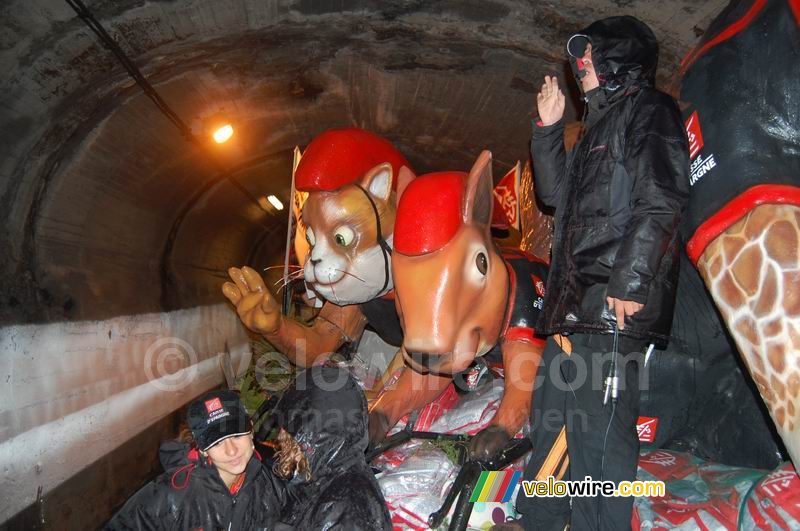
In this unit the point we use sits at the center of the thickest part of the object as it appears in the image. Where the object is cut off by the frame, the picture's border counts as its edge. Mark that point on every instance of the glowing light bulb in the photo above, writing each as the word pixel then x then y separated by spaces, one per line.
pixel 275 202
pixel 223 134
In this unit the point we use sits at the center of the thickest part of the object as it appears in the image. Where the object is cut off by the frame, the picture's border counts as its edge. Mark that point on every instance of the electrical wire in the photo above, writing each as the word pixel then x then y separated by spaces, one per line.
pixel 88 18
pixel 613 372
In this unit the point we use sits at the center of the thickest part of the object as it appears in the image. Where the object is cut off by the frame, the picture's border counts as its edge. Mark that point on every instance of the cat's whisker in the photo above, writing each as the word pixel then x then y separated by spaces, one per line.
pixel 290 277
pixel 286 281
pixel 291 266
pixel 351 274
pixel 333 291
pixel 299 274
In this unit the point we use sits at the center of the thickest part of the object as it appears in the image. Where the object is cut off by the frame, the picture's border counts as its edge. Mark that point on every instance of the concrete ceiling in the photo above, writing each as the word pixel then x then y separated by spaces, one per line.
pixel 107 210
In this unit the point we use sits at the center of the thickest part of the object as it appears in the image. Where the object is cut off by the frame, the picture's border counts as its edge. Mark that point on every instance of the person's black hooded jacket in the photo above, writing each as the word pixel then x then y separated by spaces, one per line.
pixel 618 194
pixel 326 413
pixel 190 495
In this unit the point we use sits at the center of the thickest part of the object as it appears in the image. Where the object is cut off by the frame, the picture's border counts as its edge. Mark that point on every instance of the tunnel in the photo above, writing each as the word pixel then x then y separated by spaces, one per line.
pixel 118 226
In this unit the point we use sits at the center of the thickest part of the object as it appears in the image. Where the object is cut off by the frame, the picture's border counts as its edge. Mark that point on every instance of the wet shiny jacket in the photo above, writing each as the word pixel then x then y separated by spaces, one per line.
pixel 326 413
pixel 618 194
pixel 190 495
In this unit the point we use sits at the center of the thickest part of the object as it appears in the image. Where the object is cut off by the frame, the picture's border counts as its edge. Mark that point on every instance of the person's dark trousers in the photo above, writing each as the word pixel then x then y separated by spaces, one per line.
pixel 569 392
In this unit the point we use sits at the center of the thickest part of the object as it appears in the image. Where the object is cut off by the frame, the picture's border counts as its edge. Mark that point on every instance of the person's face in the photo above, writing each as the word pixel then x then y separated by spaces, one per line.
pixel 589 81
pixel 231 455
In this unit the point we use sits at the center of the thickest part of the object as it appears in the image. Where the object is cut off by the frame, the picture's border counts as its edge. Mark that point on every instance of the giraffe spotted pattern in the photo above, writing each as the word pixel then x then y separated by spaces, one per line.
pixel 753 273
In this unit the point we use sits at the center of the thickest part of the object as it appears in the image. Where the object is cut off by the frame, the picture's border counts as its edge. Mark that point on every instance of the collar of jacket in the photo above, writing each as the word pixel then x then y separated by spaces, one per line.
pixel 208 473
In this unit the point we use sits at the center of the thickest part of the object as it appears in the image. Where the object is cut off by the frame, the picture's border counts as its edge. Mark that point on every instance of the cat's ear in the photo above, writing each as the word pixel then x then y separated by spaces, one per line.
pixel 404 178
pixel 477 205
pixel 378 181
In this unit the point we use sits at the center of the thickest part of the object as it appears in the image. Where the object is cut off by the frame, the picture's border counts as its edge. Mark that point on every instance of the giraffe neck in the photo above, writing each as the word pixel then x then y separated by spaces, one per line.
pixel 753 273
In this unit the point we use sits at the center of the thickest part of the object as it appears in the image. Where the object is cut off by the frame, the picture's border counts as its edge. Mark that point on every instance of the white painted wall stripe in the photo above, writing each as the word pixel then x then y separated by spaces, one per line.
pixel 73 392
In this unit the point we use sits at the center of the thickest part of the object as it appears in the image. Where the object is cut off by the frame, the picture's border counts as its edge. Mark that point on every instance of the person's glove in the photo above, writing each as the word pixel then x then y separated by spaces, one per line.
pixel 488 442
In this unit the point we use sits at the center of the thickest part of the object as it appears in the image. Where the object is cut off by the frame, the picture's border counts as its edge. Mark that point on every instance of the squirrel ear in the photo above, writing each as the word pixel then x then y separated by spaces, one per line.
pixel 378 181
pixel 404 177
pixel 477 206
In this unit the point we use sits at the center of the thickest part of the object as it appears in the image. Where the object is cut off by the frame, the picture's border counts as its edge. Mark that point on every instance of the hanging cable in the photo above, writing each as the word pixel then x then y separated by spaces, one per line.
pixel 108 41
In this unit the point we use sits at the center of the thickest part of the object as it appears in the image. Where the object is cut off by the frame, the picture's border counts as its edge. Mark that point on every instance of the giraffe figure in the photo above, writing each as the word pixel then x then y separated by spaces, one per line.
pixel 752 270
pixel 742 108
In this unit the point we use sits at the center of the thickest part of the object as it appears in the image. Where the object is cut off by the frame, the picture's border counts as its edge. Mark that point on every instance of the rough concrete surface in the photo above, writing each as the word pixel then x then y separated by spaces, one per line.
pixel 107 213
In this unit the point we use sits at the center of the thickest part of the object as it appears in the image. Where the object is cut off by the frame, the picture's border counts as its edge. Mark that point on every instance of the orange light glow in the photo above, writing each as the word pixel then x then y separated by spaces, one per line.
pixel 223 134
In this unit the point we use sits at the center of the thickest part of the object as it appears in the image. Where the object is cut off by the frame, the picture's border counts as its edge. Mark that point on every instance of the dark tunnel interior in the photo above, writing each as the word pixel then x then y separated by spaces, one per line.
pixel 109 214
pixel 109 210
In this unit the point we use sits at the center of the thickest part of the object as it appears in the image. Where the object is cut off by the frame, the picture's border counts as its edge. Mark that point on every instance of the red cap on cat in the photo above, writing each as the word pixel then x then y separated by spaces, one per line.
pixel 341 156
pixel 429 212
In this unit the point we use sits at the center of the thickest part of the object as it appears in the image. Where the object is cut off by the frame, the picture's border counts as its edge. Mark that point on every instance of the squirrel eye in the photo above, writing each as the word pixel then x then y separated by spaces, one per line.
pixel 344 236
pixel 481 263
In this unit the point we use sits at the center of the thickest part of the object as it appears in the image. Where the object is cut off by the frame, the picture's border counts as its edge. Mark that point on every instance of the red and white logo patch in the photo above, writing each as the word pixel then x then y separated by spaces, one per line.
pixel 646 428
pixel 694 134
pixel 538 285
pixel 213 405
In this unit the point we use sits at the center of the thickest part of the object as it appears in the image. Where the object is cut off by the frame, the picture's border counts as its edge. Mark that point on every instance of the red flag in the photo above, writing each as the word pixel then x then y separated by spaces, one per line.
pixel 505 213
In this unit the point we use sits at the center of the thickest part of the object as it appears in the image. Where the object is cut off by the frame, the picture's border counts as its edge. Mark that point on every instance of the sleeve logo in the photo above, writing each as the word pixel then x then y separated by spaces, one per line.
pixel 694 134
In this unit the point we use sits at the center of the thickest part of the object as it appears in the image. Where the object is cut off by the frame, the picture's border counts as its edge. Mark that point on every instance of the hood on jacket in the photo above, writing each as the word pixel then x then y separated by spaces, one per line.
pixel 325 411
pixel 179 461
pixel 624 52
pixel 175 454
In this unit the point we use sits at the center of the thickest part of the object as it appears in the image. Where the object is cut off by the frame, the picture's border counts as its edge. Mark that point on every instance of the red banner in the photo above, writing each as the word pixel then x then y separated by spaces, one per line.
pixel 505 212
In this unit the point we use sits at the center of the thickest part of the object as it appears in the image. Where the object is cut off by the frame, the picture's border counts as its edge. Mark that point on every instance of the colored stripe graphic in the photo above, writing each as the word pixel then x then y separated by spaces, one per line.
pixel 515 477
pixel 478 487
pixel 498 482
pixel 502 483
pixel 495 486
pixel 487 486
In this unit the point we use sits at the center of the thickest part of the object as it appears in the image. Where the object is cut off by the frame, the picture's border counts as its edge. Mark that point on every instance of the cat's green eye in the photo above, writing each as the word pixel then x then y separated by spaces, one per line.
pixel 310 236
pixel 344 236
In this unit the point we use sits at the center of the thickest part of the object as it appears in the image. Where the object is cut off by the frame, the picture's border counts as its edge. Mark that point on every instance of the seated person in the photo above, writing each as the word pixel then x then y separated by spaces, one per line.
pixel 322 439
pixel 216 482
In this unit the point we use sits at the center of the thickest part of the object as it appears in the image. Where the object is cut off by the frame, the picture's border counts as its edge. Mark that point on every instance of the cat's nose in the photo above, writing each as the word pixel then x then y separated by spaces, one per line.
pixel 315 261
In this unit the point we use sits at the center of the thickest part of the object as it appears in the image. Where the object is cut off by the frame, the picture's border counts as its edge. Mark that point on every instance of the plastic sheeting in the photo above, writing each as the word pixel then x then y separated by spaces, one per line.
pixel 700 495
pixel 706 495
pixel 417 475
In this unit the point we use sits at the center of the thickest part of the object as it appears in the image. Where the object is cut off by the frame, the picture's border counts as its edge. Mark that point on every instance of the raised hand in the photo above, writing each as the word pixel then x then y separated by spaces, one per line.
pixel 550 101
pixel 255 305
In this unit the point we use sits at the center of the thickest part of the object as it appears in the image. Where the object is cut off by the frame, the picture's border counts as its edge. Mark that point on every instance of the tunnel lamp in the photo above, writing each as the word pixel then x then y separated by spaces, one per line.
pixel 223 134
pixel 275 202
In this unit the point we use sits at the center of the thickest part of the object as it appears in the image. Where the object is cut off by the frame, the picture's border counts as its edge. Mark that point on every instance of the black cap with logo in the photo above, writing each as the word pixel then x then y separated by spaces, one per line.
pixel 215 416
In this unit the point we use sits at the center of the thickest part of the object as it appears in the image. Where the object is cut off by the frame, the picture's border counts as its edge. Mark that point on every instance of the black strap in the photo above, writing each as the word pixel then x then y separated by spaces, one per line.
pixel 385 249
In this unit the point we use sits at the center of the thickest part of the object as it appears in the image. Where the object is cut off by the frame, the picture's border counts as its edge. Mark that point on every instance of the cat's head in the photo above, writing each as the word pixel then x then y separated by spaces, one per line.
pixel 346 264
pixel 345 172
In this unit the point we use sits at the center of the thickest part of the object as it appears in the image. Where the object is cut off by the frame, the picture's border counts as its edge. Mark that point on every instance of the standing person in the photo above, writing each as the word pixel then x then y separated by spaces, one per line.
pixel 618 197
pixel 215 482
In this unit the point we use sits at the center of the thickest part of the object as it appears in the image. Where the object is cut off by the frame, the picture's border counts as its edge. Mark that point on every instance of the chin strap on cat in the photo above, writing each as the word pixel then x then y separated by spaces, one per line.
pixel 386 250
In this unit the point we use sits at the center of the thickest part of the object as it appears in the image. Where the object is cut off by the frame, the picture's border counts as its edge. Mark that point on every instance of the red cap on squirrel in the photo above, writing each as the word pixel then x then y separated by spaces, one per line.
pixel 342 156
pixel 429 212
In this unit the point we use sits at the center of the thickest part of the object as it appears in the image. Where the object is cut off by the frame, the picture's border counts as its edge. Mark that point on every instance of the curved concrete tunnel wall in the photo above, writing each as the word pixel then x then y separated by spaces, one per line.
pixel 117 232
